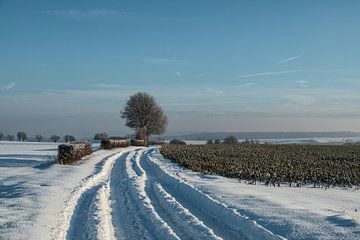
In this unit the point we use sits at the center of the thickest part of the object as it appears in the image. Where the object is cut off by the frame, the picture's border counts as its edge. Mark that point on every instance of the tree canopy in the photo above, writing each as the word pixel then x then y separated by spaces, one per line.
pixel 101 136
pixel 69 138
pixel 144 115
pixel 55 138
pixel 39 137
pixel 21 136
pixel 231 140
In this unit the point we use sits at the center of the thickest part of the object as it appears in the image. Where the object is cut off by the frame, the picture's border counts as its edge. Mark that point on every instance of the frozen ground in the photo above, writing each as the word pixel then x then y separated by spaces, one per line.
pixel 33 188
pixel 290 212
pixel 134 193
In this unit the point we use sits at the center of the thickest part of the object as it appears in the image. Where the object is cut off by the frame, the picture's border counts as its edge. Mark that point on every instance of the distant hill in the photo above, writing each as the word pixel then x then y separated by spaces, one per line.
pixel 265 135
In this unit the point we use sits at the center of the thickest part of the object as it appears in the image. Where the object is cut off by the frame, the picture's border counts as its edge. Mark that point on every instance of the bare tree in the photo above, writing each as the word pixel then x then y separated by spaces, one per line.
pixel 101 136
pixel 69 138
pixel 144 115
pixel 55 138
pixel 10 137
pixel 21 136
pixel 1 136
pixel 231 140
pixel 39 137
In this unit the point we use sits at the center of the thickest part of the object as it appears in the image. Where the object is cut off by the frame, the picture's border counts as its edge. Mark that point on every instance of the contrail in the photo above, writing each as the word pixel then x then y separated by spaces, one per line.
pixel 289 59
pixel 267 73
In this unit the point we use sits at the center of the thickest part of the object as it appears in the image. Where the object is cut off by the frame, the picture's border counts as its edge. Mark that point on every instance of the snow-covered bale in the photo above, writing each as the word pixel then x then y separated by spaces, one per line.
pixel 114 143
pixel 69 153
pixel 137 142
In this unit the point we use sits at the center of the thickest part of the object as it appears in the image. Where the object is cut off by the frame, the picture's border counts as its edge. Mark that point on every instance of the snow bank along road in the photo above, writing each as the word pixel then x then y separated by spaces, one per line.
pixel 131 197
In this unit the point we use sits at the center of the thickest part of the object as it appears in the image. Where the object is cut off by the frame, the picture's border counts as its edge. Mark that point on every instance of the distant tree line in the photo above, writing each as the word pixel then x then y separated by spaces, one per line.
pixel 21 136
pixel 232 140
pixel 55 138
pixel 177 142
pixel 228 140
pixel 141 112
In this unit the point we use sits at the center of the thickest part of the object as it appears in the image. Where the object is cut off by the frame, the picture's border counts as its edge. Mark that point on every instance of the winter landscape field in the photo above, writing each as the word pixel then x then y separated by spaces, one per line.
pixel 134 193
pixel 159 120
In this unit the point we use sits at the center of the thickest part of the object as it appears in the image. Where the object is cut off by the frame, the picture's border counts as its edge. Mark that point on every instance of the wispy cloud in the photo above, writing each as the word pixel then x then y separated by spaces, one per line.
pixel 111 86
pixel 79 13
pixel 126 57
pixel 215 91
pixel 301 99
pixel 156 60
pixel 303 83
pixel 289 59
pixel 8 86
pixel 260 74
pixel 177 73
pixel 246 85
pixel 166 61
pixel 209 92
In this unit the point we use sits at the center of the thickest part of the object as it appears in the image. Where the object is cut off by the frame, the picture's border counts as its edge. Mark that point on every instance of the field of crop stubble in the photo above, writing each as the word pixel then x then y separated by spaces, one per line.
pixel 320 165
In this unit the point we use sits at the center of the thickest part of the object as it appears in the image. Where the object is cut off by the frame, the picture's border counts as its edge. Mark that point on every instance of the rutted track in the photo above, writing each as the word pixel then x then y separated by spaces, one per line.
pixel 133 214
pixel 87 213
pixel 217 220
pixel 131 197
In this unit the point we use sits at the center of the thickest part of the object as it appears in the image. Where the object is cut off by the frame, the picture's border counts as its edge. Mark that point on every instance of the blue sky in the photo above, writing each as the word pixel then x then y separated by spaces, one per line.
pixel 69 66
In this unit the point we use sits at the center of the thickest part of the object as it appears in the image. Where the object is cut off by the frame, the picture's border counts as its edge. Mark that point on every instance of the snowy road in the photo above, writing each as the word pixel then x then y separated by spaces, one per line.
pixel 131 197
pixel 134 193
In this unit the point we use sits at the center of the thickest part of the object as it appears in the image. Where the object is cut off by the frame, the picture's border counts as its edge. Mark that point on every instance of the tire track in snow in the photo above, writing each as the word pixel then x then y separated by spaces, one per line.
pixel 185 225
pixel 189 225
pixel 86 213
pixel 133 214
pixel 225 222
pixel 105 230
pixel 131 197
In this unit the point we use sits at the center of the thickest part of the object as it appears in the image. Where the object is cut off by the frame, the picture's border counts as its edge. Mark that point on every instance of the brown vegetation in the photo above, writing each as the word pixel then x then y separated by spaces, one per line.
pixel 137 142
pixel 321 165
pixel 69 153
pixel 114 143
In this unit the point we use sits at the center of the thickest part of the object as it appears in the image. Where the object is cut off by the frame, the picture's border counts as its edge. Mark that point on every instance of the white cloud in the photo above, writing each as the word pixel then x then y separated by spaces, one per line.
pixel 267 73
pixel 246 84
pixel 289 59
pixel 8 86
pixel 303 83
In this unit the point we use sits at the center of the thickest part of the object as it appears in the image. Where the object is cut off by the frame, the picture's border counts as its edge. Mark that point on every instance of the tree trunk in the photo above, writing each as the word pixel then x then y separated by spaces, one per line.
pixel 146 140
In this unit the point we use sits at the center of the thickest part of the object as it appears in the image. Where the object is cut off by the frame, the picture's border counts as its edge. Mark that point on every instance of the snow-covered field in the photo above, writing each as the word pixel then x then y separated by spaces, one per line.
pixel 134 193
pixel 320 140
